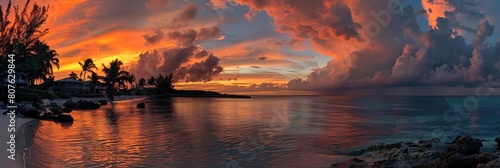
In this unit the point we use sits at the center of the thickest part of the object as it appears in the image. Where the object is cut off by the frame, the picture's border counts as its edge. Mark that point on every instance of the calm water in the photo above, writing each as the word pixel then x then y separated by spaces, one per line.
pixel 259 132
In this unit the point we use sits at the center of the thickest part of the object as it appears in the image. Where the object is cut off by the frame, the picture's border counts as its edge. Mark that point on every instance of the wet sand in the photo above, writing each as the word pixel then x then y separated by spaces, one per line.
pixel 21 125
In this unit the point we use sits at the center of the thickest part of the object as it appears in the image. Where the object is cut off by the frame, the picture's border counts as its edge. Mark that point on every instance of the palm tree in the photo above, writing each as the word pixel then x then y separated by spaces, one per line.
pixel 73 75
pixel 141 83
pixel 151 81
pixel 38 64
pixel 87 66
pixel 95 80
pixel 20 30
pixel 114 76
pixel 48 60
pixel 164 84
pixel 131 80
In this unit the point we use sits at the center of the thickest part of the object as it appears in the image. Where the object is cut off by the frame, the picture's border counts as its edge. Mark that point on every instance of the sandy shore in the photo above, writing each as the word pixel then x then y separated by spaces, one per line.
pixel 60 102
pixel 21 125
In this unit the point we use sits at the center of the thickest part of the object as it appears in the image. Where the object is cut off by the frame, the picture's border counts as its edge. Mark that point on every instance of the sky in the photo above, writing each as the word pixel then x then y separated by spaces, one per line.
pixel 283 46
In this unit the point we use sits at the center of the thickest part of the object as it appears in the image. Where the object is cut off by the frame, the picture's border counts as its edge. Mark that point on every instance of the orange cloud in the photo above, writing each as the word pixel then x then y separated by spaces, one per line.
pixel 435 9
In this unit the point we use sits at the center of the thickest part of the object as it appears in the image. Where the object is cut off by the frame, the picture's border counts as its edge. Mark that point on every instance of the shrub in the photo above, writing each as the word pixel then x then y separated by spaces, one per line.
pixel 26 96
pixel 43 94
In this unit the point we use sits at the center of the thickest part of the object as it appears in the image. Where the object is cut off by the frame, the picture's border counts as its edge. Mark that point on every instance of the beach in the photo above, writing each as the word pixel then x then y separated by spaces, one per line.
pixel 21 125
pixel 60 102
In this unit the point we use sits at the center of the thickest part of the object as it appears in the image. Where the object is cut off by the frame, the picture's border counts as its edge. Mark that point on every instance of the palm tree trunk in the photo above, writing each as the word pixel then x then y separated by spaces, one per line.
pixel 83 83
pixel 110 92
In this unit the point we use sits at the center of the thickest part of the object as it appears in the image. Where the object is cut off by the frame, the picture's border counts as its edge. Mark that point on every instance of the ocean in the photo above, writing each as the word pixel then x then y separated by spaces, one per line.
pixel 265 131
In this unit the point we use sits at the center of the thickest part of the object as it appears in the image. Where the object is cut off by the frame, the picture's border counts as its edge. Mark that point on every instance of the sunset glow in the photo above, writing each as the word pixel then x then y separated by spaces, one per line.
pixel 255 42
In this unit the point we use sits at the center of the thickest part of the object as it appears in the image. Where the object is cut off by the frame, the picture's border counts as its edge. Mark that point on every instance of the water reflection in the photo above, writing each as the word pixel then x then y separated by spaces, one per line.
pixel 258 132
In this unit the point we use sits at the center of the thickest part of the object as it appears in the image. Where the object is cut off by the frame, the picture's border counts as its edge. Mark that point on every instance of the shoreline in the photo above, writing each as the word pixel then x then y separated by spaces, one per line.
pixel 60 102
pixel 463 150
pixel 22 125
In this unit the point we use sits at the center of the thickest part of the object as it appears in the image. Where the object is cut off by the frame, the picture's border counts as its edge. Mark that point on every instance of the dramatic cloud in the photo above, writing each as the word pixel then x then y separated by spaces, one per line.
pixel 302 45
pixel 202 71
pixel 154 37
pixel 321 21
pixel 263 87
pixel 176 60
pixel 187 14
pixel 436 57
pixel 187 38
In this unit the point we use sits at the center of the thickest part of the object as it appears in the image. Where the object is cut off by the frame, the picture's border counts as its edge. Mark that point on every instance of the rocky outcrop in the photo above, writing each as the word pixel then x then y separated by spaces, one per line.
pixel 103 102
pixel 459 160
pixel 141 105
pixel 29 109
pixel 404 154
pixel 38 111
pixel 66 110
pixel 493 163
pixel 464 152
pixel 63 118
pixel 465 145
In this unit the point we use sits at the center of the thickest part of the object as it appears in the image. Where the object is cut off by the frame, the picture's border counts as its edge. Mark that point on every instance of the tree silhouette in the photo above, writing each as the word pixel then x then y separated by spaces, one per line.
pixel 141 83
pixel 131 79
pixel 39 64
pixel 87 66
pixel 114 76
pixel 73 75
pixel 151 82
pixel 162 84
pixel 95 80
pixel 21 36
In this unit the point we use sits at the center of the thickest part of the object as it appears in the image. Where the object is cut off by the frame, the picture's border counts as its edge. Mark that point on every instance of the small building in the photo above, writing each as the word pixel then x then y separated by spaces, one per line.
pixel 20 80
pixel 73 86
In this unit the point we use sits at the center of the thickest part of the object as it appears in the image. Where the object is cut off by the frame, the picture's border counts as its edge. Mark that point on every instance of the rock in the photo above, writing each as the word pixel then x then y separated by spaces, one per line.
pixel 53 104
pixel 103 102
pixel 460 160
pixel 56 109
pixel 45 102
pixel 66 110
pixel 64 118
pixel 31 113
pixel 141 105
pixel 38 106
pixel 47 116
pixel 465 145
pixel 493 163
pixel 70 104
pixel 28 109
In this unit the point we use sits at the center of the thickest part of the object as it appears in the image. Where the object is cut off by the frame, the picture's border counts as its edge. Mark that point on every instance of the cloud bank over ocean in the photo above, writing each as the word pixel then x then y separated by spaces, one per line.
pixel 261 45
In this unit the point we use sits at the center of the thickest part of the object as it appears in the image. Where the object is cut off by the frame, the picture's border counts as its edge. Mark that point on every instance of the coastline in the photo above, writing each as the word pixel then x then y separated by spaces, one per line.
pixel 22 124
pixel 25 124
pixel 60 102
